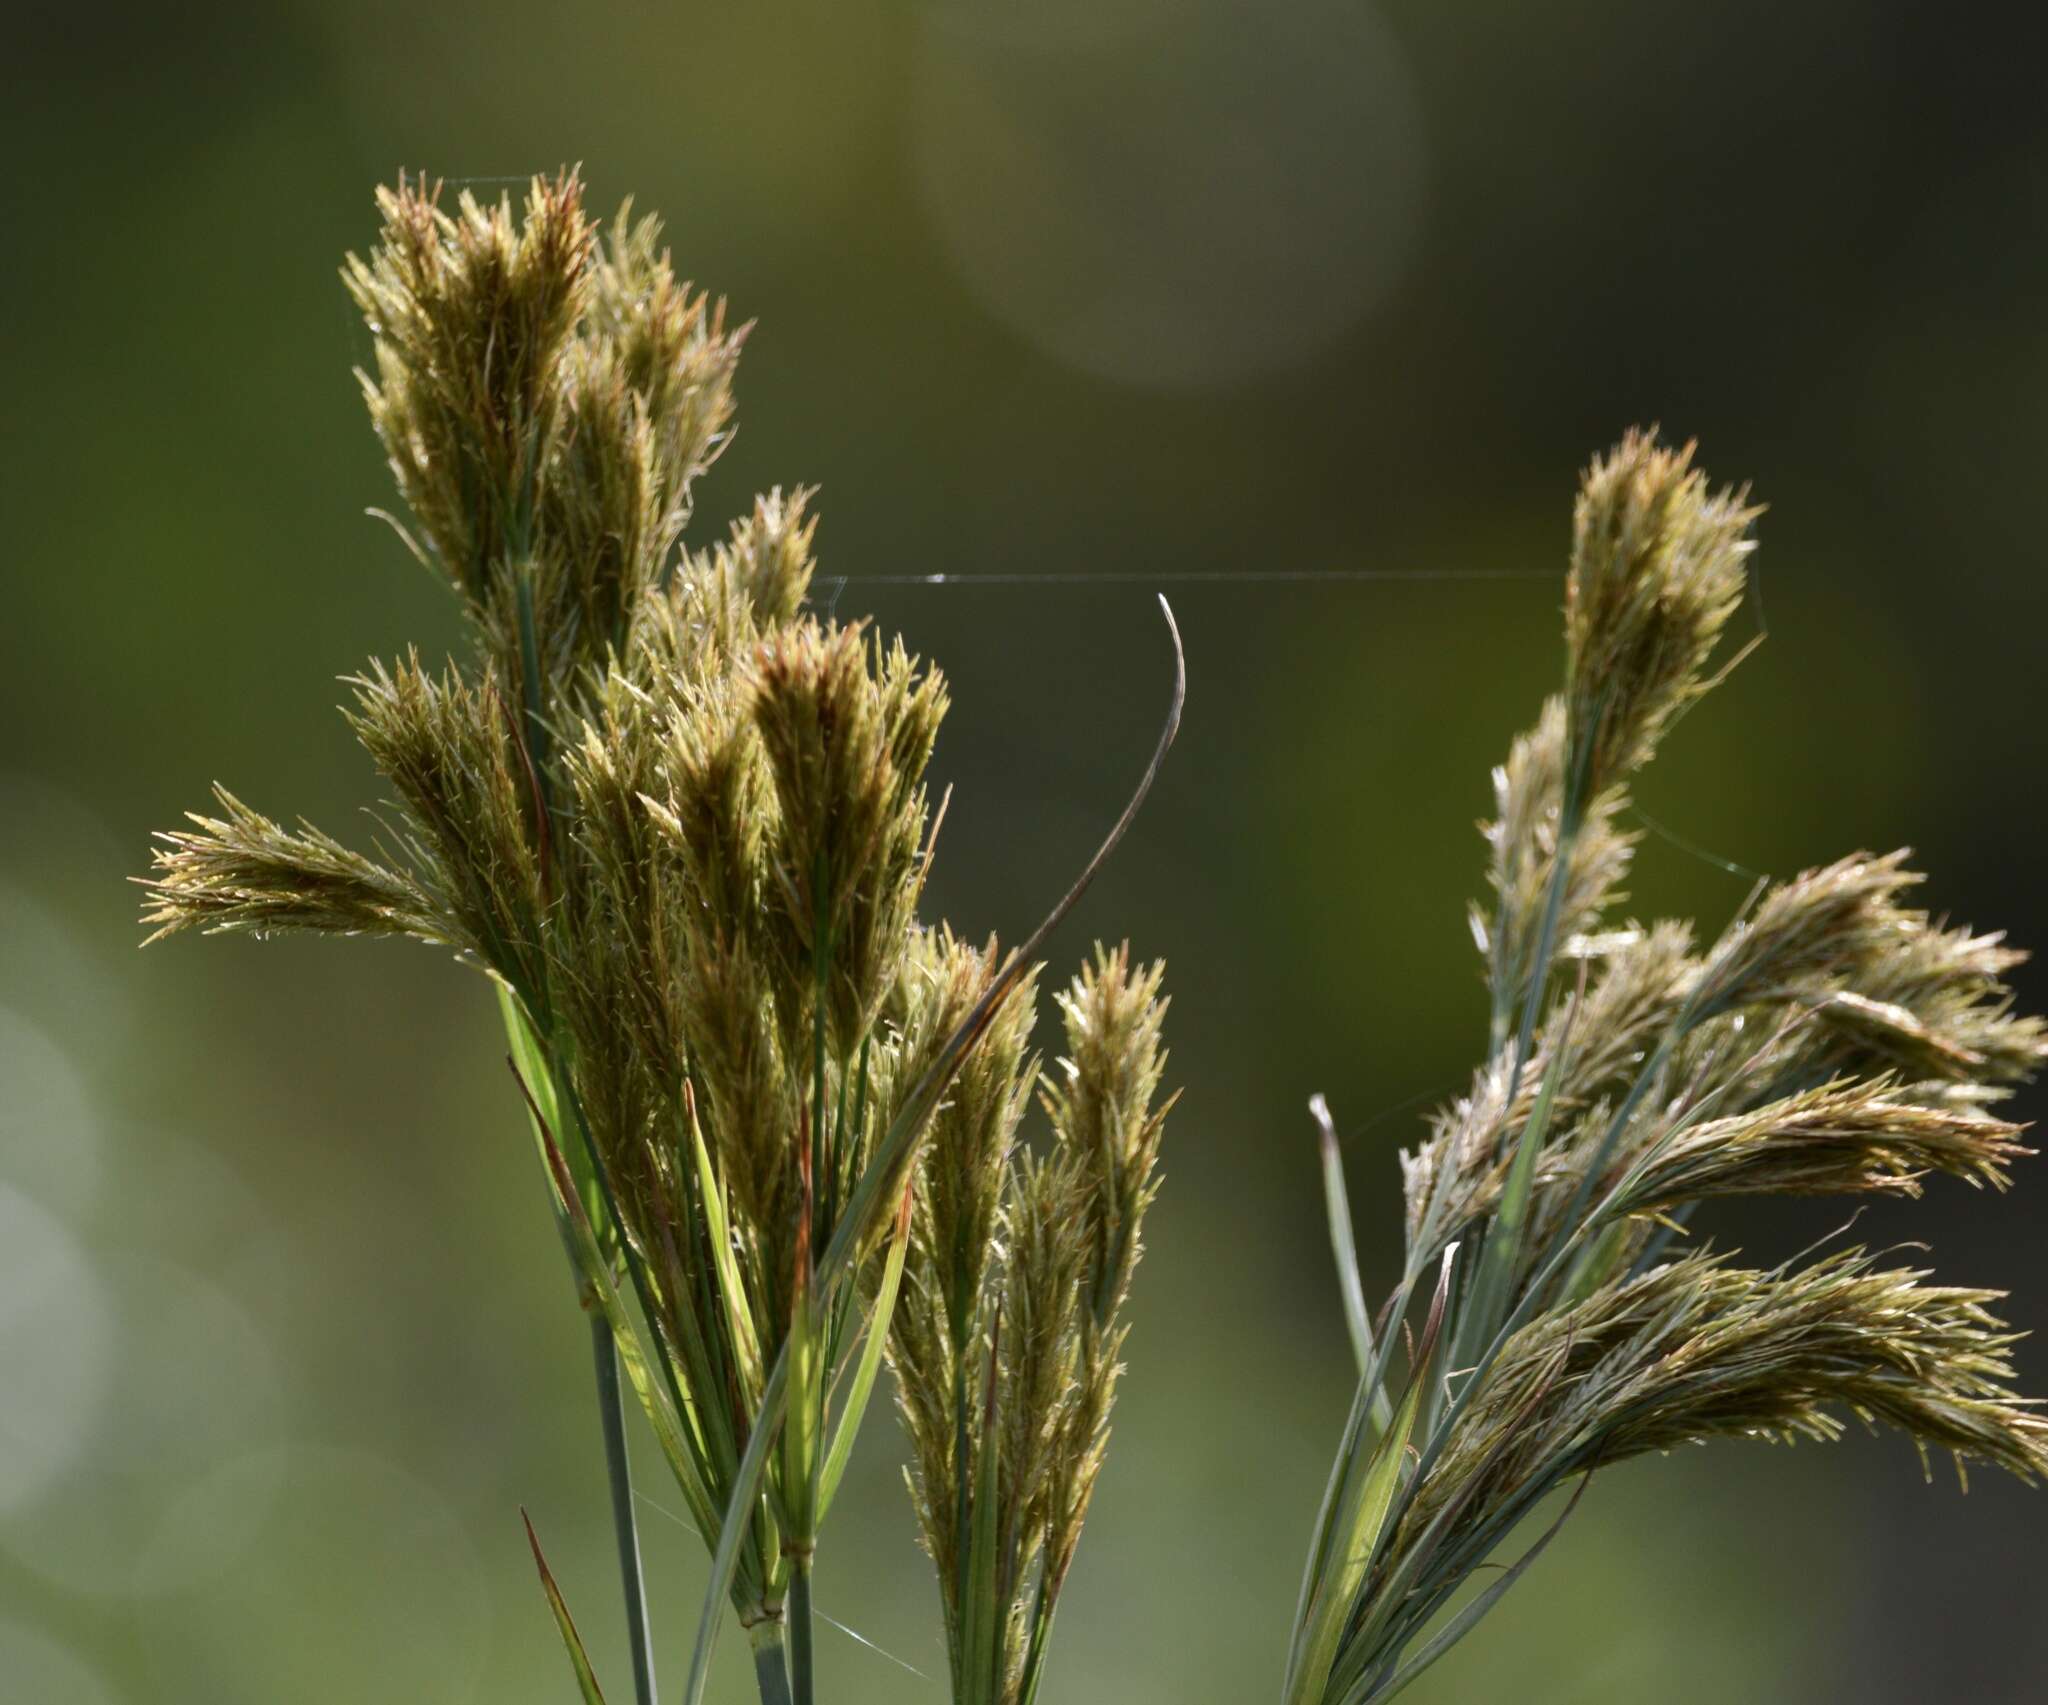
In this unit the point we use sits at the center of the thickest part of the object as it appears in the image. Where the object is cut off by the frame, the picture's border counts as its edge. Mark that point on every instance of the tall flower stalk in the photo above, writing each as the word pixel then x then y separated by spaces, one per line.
pixel 684 828
pixel 1831 1040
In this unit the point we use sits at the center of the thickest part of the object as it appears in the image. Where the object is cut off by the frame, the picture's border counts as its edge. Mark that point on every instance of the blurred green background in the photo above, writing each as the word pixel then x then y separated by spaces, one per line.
pixel 1089 288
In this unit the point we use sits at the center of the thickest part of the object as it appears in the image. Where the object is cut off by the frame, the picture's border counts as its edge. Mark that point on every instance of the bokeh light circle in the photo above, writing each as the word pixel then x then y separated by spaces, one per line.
pixel 51 1140
pixel 35 1670
pixel 56 1351
pixel 191 1382
pixel 363 1570
pixel 1173 193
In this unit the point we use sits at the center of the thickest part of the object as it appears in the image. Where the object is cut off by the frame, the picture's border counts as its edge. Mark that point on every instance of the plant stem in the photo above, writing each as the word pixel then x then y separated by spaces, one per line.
pixel 770 1672
pixel 799 1627
pixel 605 1364
pixel 625 1520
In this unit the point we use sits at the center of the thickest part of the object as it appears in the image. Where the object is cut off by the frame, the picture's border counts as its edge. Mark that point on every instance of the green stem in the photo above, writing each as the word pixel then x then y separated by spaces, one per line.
pixel 799 1630
pixel 1041 1633
pixel 771 1674
pixel 625 1521
pixel 611 1406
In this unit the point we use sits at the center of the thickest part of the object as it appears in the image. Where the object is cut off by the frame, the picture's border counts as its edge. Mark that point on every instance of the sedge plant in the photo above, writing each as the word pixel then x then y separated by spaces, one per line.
pixel 683 826
pixel 1553 1312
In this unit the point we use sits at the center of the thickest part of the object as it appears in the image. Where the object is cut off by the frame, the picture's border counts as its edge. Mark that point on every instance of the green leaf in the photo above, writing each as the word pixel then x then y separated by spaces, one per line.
pixel 586 1677
pixel 746 1487
pixel 1364 1400
pixel 1468 1617
pixel 1358 1533
pixel 532 1068
pixel 1361 1521
pixel 803 1424
pixel 1338 1201
pixel 669 1427
pixel 1393 1593
pixel 732 1290
pixel 870 1361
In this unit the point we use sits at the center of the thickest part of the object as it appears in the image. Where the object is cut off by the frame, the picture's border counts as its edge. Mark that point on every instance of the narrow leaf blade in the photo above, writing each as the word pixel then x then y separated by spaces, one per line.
pixel 1469 1616
pixel 1361 1519
pixel 870 1363
pixel 586 1677
pixel 732 1289
pixel 669 1427
pixel 1345 1250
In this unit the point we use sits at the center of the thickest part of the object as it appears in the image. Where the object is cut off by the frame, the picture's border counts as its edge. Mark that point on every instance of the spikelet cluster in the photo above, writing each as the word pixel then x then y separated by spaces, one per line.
pixel 1011 1322
pixel 685 827
pixel 544 405
pixel 1833 1039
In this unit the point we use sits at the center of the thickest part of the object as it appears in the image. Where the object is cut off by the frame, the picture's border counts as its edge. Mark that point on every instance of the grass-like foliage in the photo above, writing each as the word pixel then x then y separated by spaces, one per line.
pixel 1831 1040
pixel 684 826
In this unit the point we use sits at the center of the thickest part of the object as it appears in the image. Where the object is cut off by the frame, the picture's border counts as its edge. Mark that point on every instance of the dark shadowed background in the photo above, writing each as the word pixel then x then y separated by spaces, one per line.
pixel 1094 289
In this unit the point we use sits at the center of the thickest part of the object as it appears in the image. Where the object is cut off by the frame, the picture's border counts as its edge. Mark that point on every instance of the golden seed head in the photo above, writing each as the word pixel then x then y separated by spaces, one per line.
pixel 1656 571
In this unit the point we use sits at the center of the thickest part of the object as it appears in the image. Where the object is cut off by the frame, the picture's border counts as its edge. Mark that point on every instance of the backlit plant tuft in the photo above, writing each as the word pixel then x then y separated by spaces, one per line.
pixel 683 824
pixel 1831 1040
pixel 684 827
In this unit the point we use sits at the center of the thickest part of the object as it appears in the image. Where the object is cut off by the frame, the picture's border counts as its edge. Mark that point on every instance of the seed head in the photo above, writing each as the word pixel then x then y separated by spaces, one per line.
pixel 671 349
pixel 473 315
pixel 243 872
pixel 454 751
pixel 1010 1324
pixel 1533 822
pixel 848 730
pixel 1656 571
pixel 1831 1040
